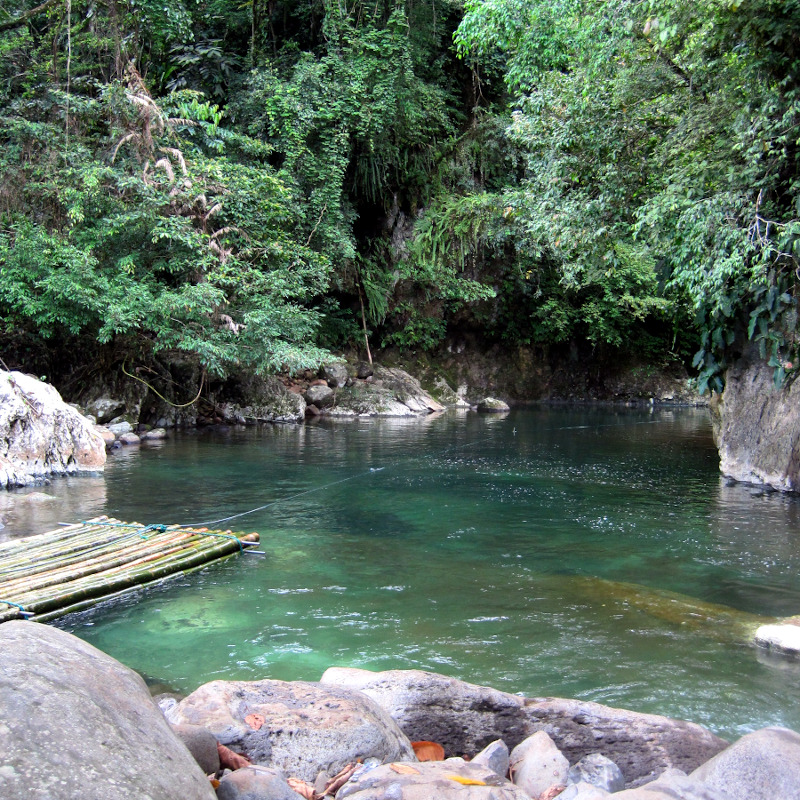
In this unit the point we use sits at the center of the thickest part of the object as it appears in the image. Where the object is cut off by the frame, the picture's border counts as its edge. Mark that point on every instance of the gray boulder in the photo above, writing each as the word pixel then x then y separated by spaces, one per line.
pixel 764 765
pixel 104 409
pixel 154 435
pixel 453 779
pixel 389 393
pixel 598 770
pixel 462 717
pixel 255 782
pixel 674 785
pixel 495 756
pixel 537 764
pixel 120 427
pixel 77 725
pixel 320 396
pixel 641 745
pixel 298 727
pixel 201 744
pixel 40 435
pixel 335 374
pixel 491 405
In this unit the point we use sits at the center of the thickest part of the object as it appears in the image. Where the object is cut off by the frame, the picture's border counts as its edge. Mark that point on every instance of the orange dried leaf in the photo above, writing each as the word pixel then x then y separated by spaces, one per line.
pixel 466 781
pixel 230 760
pixel 255 721
pixel 428 751
pixel 302 788
pixel 404 769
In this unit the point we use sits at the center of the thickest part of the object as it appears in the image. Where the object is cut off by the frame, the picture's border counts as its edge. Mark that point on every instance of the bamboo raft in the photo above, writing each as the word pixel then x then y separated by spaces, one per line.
pixel 51 574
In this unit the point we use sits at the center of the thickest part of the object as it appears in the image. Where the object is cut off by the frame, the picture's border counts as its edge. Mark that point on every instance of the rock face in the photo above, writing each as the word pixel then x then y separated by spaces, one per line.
pixel 298 727
pixel 40 435
pixel 464 718
pixel 253 399
pixel 433 780
pixel 764 765
pixel 77 725
pixel 757 427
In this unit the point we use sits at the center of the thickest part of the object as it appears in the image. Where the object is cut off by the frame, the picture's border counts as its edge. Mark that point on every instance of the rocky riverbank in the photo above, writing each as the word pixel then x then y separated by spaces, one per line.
pixel 76 724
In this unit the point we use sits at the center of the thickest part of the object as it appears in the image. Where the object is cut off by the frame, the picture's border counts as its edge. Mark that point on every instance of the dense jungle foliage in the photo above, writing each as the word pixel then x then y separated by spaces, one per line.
pixel 254 182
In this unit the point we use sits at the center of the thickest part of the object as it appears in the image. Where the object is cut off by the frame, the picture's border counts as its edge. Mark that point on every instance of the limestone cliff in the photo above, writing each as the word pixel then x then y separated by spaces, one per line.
pixel 757 427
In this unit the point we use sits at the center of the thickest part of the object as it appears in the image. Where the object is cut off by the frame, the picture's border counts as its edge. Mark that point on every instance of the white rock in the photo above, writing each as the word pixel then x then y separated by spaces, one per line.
pixel 783 638
pixel 40 435
pixel 537 764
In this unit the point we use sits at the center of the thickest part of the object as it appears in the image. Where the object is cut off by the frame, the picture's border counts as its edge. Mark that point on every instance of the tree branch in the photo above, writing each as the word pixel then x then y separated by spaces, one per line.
pixel 23 18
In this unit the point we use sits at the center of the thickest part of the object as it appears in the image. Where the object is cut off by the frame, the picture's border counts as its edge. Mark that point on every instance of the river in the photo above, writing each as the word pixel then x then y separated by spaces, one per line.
pixel 589 553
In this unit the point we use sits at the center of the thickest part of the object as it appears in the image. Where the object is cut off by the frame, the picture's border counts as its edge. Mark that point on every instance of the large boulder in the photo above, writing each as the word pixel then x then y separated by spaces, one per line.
pixel 464 718
pixel 77 725
pixel 40 435
pixel 453 779
pixel 764 765
pixel 387 393
pixel 757 427
pixel 641 745
pixel 298 727
pixel 251 399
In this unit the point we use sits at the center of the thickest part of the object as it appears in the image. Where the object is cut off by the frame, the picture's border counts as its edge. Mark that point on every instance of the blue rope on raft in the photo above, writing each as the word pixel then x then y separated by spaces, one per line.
pixel 160 527
pixel 23 613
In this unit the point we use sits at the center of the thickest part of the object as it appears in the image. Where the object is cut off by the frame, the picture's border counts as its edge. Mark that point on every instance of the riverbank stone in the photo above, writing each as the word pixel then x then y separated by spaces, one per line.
pixel 255 782
pixel 464 718
pixel 641 745
pixel 537 764
pixel 495 756
pixel 453 779
pixel 77 725
pixel 299 727
pixel 598 770
pixel 491 405
pixel 202 744
pixel 764 765
pixel 674 784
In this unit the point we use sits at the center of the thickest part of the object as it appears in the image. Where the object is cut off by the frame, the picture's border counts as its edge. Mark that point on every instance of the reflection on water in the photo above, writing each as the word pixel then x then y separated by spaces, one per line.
pixel 589 553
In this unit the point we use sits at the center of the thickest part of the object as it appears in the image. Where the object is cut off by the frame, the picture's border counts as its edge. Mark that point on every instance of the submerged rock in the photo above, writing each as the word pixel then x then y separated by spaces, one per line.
pixel 40 435
pixel 77 725
pixel 301 728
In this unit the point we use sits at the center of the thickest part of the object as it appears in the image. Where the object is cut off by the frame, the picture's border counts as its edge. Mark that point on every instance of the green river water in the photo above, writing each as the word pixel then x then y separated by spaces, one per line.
pixel 552 552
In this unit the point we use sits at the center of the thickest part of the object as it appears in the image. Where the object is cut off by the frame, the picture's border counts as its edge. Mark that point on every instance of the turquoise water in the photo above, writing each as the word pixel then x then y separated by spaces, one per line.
pixel 555 552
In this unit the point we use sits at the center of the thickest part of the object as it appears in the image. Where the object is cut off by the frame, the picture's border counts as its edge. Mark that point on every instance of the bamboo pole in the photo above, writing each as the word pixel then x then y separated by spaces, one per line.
pixel 81 565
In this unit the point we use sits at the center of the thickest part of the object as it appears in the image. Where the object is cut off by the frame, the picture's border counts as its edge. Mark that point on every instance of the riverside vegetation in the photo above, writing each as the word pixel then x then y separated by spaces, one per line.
pixel 249 185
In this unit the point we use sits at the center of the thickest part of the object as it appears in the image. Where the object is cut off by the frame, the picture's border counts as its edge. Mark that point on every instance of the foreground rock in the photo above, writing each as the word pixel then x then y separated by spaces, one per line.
pixel 439 780
pixel 77 725
pixel 537 764
pixel 757 427
pixel 300 728
pixel 673 785
pixel 464 718
pixel 764 765
pixel 40 435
